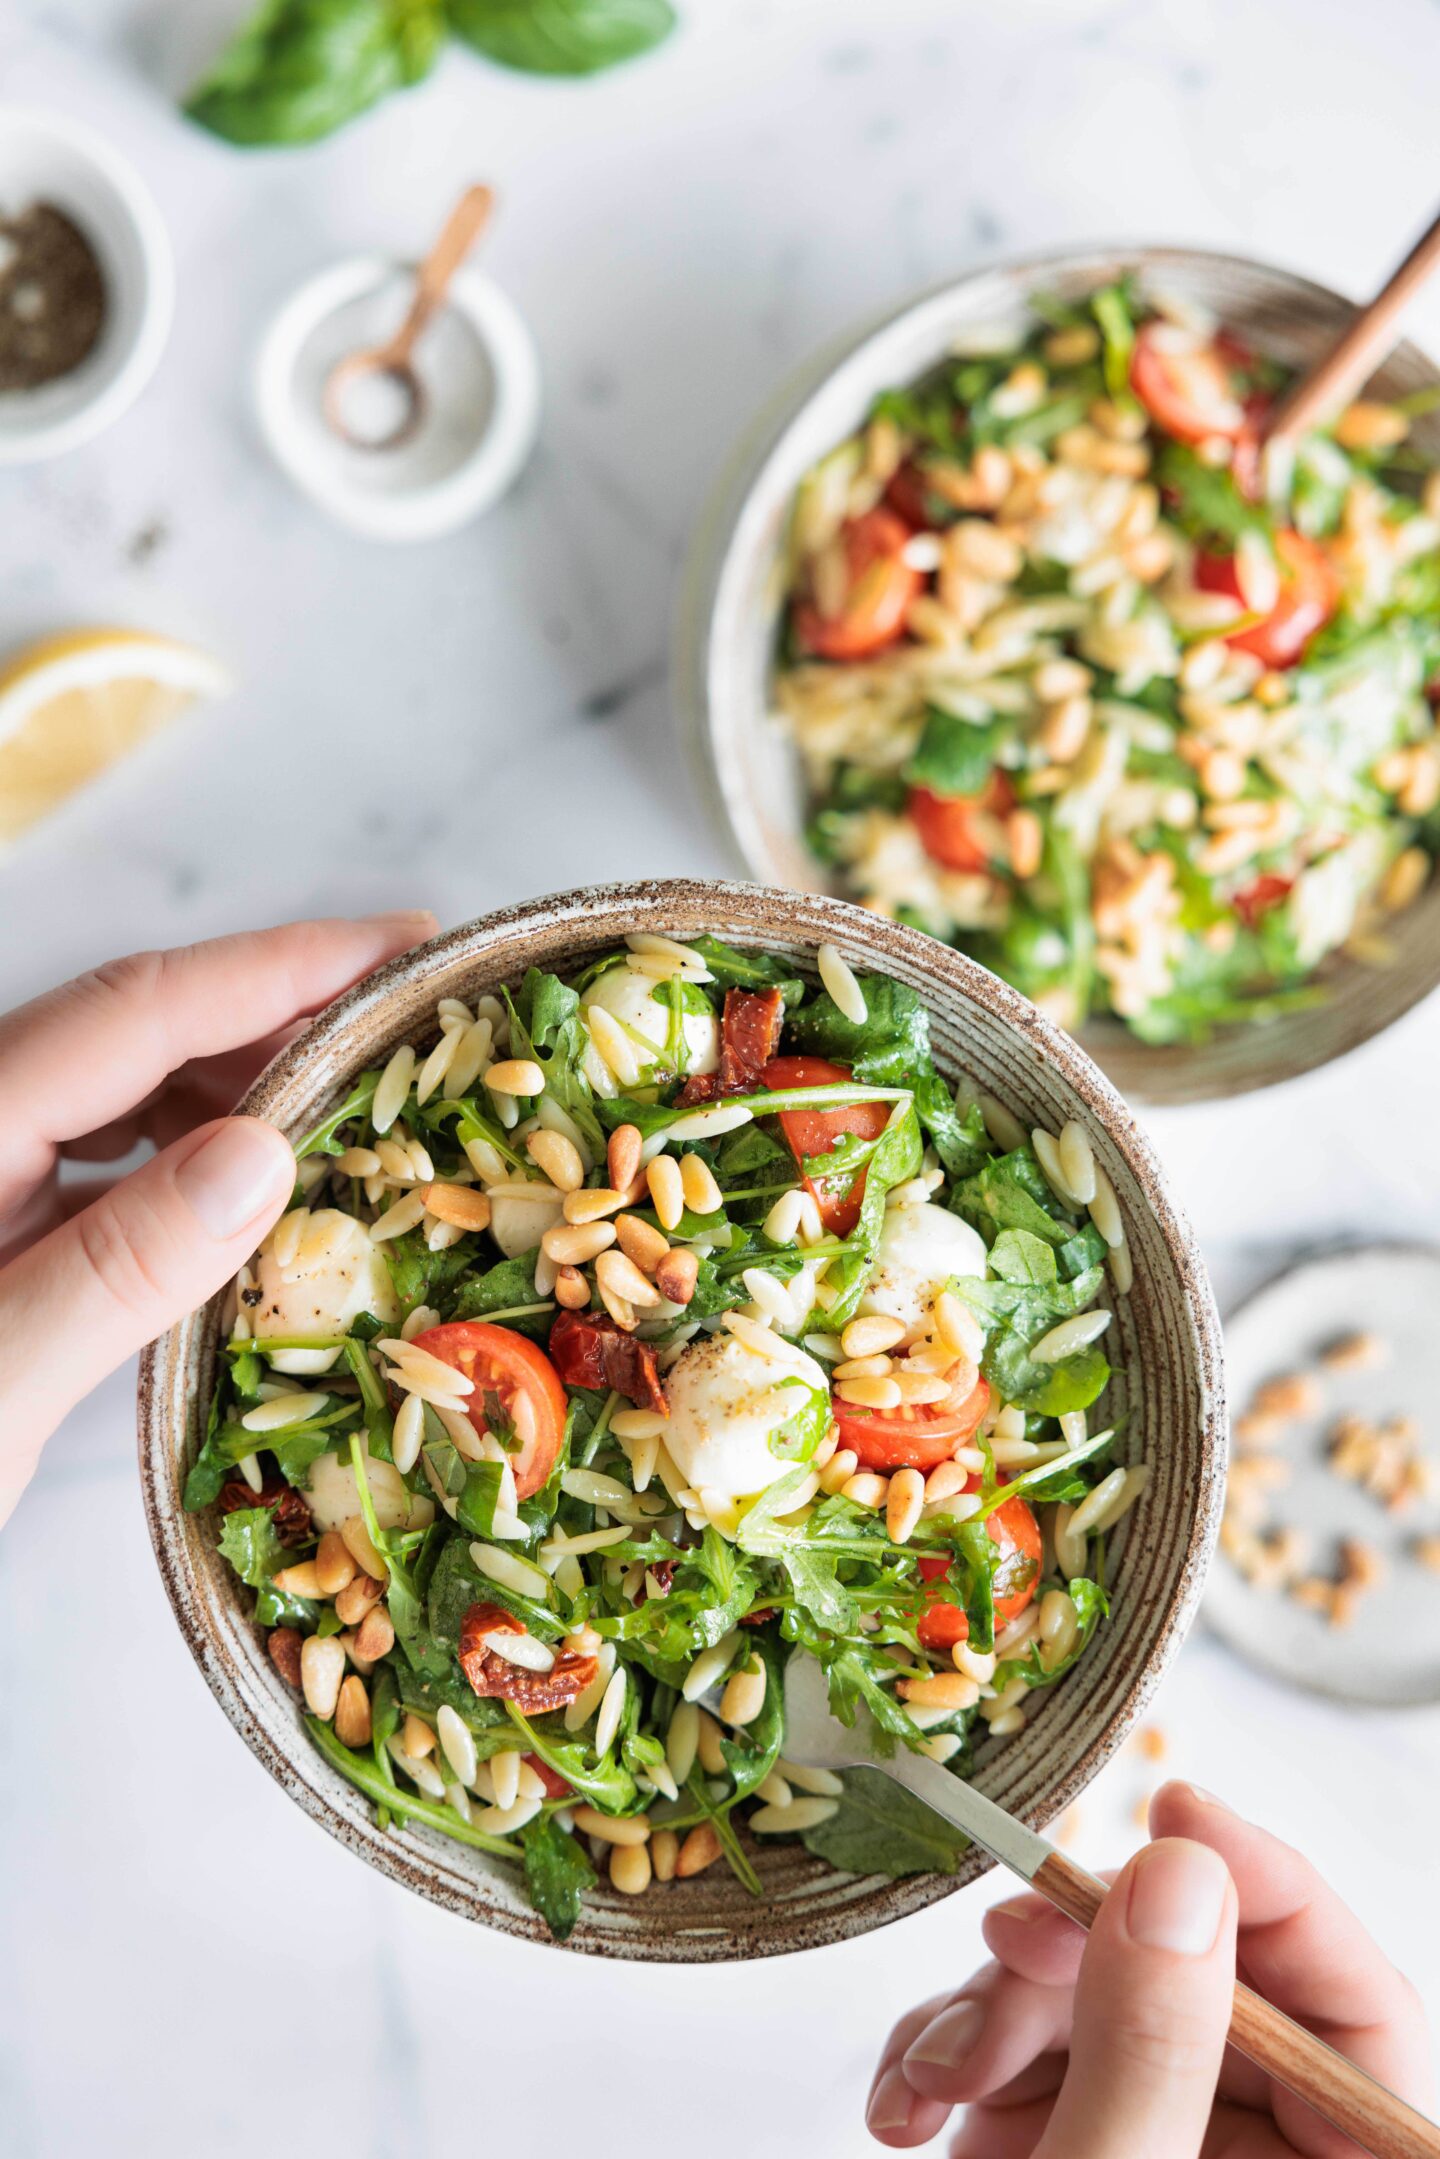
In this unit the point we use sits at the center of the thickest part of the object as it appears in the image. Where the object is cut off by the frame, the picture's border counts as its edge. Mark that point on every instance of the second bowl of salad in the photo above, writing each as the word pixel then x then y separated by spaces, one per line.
pixel 993 631
pixel 681 1279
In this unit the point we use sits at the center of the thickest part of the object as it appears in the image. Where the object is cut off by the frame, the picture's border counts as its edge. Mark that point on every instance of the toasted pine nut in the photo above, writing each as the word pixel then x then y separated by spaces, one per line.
pixel 641 1241
pixel 334 1564
pixel 630 1869
pixel 352 1713
pixel 375 1635
pixel 618 1276
pixel 677 1274
pixel 702 1194
pixel 629 1829
pixel 558 1156
pixel 945 1481
pixel 356 1600
pixel 920 1386
pixel 664 1849
pixel 1367 426
pixel 571 1244
pixel 1025 838
pixel 622 1156
pixel 417 1737
pixel 515 1076
pixel 592 1203
pixel 301 1580
pixel 942 1690
pixel 700 1850
pixel 866 1489
pixel 457 1203
pixel 357 1543
pixel 903 1503
pixel 838 1471
pixel 870 1393
pixel 870 1336
pixel 322 1668
pixel 571 1289
pixel 707 1746
pixel 744 1695
pixel 667 1191
pixel 957 1327
pixel 880 1367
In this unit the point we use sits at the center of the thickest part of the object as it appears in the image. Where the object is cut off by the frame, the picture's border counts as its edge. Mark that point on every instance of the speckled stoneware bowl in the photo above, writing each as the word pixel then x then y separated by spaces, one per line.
pixel 730 614
pixel 1166 1341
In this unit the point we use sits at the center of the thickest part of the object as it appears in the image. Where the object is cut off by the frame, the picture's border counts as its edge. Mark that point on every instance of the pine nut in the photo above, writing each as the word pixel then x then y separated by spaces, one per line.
pixel 641 1241
pixel 942 1690
pixel 618 1276
pixel 618 1829
pixel 334 1564
pixel 903 1503
pixel 700 1850
pixel 375 1635
pixel 980 550
pixel 301 1580
pixel 667 1192
pixel 944 1481
pixel 592 1203
pixel 870 1393
pixel 571 1289
pixel 664 1849
pixel 957 1326
pixel 515 1076
pixel 352 1713
pixel 322 1668
pixel 571 1245
pixel 744 1695
pixel 558 1157
pixel 1025 839
pixel 1368 426
pixel 622 1156
pixel 416 1737
pixel 677 1274
pixel 870 1336
pixel 630 1869
pixel 880 1367
pixel 367 1559
pixel 921 1386
pixel 708 1747
pixel 457 1203
pixel 838 1471
pixel 866 1489
pixel 702 1194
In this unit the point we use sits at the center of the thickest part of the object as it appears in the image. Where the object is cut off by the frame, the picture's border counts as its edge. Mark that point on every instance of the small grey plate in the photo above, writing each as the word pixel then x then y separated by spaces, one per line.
pixel 1389 1656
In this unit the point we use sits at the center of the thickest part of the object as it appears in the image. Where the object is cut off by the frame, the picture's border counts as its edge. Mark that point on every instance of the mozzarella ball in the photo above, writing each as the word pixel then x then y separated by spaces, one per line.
pixel 921 1247
pixel 334 1494
pixel 726 1401
pixel 517 1225
pixel 320 1296
pixel 630 998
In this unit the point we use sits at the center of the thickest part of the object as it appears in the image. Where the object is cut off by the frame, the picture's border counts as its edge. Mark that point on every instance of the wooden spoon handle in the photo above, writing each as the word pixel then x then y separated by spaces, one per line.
pixel 1378 2121
pixel 1356 354
pixel 461 230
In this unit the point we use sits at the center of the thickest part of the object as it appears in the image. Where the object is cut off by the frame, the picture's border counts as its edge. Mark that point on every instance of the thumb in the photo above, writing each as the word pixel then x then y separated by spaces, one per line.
pixel 1152 2009
pixel 80 1301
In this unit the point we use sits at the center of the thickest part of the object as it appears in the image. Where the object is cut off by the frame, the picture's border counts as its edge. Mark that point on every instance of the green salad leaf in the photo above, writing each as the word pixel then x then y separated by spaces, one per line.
pixel 561 37
pixel 299 69
pixel 880 1828
pixel 557 1874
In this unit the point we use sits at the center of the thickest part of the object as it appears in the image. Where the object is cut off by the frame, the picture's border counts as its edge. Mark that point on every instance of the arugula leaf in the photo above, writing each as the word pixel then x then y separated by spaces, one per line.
pixel 1111 307
pixel 379 1424
pixel 890 1047
pixel 981 1558
pixel 754 1748
pixel 608 1786
pixel 897 1157
pixel 1010 1192
pixel 880 1828
pixel 421 1276
pixel 562 37
pixel 955 756
pixel 557 1873
pixel 299 69
pixel 211 1465
pixel 545 1024
pixel 509 1284
pixel 249 1542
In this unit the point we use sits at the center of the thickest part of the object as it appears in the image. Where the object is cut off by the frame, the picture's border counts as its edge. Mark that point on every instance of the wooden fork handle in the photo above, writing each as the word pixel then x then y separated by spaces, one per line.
pixel 1378 2121
pixel 1321 393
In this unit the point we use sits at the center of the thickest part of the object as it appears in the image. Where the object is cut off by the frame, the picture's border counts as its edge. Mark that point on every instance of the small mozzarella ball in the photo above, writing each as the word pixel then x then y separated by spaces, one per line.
pixel 321 1296
pixel 630 998
pixel 921 1247
pixel 725 1403
pixel 517 1225
pixel 334 1494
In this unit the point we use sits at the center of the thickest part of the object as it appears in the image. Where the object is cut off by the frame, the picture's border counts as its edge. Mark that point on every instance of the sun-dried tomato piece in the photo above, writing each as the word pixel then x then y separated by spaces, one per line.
pixel 495 1676
pixel 758 1618
pixel 749 1037
pixel 284 1647
pixel 555 1785
pixel 290 1508
pixel 588 1349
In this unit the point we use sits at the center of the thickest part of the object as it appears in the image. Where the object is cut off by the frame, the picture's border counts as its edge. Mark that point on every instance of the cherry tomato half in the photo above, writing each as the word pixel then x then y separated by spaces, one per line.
pixel 1309 596
pixel 949 827
pixel 918 1438
pixel 879 589
pixel 816 1131
pixel 1015 1533
pixel 1190 395
pixel 1258 898
pixel 511 1369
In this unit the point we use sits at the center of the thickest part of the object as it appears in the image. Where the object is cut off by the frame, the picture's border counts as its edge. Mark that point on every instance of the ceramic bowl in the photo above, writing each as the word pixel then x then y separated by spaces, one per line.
pixel 733 596
pixel 1166 1345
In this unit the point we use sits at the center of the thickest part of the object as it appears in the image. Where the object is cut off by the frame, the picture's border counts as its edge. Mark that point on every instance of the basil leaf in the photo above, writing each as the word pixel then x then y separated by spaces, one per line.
pixel 299 69
pixel 561 37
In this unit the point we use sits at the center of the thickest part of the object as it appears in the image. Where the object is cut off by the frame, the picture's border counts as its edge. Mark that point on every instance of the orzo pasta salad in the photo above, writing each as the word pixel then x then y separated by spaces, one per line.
pixel 633 1334
pixel 1071 697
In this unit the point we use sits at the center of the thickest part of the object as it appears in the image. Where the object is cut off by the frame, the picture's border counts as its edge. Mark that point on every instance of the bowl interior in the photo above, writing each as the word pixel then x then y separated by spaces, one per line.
pixel 736 592
pixel 1168 1388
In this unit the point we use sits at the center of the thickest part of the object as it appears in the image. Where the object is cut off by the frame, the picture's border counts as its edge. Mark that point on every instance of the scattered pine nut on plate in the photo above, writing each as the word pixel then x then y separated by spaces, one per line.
pixel 709 1337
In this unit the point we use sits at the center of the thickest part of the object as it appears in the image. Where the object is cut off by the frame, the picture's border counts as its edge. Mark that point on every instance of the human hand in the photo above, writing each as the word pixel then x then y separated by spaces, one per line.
pixel 1112 2046
pixel 150 1047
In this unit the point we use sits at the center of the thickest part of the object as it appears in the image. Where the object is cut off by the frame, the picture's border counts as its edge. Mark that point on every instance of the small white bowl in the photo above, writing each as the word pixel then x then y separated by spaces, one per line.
pixel 482 400
pixel 44 158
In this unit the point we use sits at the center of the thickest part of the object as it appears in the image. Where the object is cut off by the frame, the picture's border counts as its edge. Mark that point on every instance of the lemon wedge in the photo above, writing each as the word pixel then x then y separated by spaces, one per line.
pixel 73 705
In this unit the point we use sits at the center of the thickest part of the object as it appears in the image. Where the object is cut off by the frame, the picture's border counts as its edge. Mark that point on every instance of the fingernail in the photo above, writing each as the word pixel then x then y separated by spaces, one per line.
pixel 233 1176
pixel 1023 1911
pixel 890 2103
pixel 1177 1898
pixel 402 918
pixel 1206 1799
pixel 947 2040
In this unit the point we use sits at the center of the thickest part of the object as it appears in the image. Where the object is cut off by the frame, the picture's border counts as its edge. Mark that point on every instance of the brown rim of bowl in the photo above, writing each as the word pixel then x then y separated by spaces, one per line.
pixel 394 1004
pixel 751 782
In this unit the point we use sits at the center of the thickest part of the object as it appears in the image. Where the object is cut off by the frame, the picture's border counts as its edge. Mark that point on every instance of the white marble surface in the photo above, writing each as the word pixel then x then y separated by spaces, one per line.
pixel 189 1960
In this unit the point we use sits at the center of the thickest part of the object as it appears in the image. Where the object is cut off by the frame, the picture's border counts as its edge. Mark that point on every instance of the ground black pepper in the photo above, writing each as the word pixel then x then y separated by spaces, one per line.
pixel 52 297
